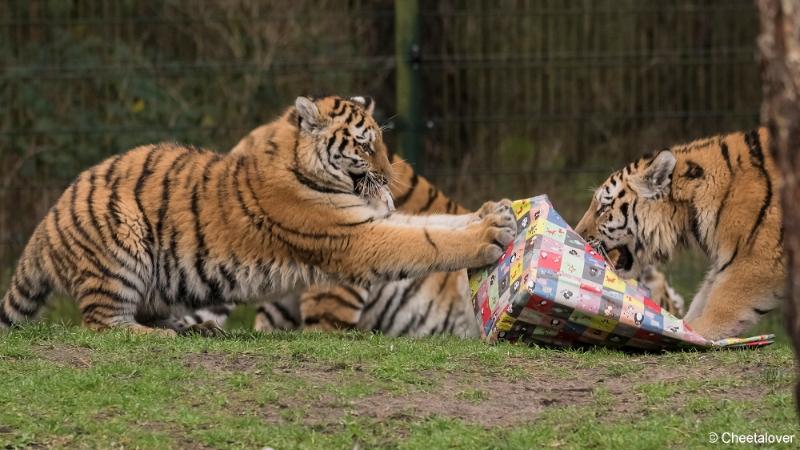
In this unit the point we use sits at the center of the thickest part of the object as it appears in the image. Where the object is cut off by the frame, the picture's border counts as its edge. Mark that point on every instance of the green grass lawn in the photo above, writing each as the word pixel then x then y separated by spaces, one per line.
pixel 66 387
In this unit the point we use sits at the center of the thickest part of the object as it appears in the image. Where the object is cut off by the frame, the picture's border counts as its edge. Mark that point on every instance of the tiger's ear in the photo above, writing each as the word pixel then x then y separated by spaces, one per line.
pixel 308 116
pixel 657 178
pixel 366 102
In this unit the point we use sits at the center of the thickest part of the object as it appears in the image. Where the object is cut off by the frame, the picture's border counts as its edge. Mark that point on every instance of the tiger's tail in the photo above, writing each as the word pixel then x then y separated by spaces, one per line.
pixel 30 285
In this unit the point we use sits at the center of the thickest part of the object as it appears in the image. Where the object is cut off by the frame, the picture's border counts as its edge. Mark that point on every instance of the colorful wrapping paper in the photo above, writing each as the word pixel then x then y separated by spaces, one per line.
pixel 551 287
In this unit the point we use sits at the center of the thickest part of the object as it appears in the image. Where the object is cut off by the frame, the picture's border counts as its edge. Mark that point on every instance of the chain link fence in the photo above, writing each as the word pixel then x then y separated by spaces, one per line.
pixel 517 97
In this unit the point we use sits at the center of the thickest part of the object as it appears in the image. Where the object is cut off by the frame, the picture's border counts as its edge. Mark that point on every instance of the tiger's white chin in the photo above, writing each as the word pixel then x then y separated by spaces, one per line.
pixel 381 199
pixel 386 197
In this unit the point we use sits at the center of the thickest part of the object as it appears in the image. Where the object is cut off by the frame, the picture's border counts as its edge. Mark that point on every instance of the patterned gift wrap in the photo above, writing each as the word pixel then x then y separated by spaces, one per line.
pixel 551 287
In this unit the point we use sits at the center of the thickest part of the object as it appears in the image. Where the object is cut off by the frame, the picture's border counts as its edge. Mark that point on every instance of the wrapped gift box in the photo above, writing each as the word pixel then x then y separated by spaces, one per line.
pixel 551 287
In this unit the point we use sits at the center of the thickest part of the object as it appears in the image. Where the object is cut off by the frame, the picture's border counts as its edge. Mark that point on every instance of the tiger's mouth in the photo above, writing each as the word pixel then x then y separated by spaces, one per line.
pixel 371 186
pixel 358 182
pixel 621 257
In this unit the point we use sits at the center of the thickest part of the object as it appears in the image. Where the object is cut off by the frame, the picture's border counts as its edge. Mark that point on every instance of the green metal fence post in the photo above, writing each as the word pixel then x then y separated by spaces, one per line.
pixel 407 81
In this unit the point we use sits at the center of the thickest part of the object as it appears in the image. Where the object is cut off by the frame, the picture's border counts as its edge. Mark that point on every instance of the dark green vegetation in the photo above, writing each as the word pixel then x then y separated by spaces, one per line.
pixel 582 87
pixel 66 387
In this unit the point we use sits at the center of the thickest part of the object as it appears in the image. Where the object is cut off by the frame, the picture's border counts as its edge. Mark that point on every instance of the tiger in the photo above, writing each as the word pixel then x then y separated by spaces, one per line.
pixel 718 193
pixel 167 225
pixel 438 303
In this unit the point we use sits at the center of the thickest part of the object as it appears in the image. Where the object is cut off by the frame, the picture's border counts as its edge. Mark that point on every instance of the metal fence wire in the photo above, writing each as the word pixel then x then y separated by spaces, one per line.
pixel 514 97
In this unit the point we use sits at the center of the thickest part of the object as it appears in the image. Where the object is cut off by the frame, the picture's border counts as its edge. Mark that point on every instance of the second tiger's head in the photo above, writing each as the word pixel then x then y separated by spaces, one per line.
pixel 347 141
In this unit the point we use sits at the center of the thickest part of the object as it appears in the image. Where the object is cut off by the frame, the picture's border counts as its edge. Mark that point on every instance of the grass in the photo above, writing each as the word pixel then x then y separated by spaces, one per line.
pixel 66 387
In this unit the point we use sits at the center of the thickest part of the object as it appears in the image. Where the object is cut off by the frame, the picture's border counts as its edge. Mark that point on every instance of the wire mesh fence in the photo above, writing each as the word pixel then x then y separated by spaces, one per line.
pixel 519 97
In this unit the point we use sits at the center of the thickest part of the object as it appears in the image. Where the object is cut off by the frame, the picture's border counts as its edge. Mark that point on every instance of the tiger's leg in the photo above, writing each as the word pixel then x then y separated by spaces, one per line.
pixel 448 220
pixel 736 302
pixel 282 313
pixel 29 288
pixel 332 307
pixel 384 250
pixel 442 220
pixel 107 302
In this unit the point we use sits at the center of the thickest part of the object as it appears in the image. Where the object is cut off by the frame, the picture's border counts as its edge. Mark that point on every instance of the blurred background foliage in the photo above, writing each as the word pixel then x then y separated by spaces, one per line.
pixel 519 97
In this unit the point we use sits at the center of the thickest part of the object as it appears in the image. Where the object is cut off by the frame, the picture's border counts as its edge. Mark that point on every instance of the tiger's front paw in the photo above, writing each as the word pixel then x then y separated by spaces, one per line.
pixel 717 325
pixel 711 330
pixel 209 328
pixel 500 230
pixel 489 208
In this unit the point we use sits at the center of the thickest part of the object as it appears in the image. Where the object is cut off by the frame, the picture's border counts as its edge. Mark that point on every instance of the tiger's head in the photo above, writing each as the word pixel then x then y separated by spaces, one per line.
pixel 635 216
pixel 342 144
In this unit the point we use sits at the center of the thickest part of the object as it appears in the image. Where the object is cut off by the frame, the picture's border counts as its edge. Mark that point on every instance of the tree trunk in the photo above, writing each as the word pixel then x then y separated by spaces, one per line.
pixel 779 43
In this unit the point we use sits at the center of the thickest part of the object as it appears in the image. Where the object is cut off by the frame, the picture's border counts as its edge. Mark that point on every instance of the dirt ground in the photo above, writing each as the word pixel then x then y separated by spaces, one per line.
pixel 340 391
pixel 482 397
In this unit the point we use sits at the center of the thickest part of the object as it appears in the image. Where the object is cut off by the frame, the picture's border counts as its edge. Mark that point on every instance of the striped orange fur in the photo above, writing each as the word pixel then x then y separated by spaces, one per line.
pixel 719 193
pixel 433 304
pixel 164 226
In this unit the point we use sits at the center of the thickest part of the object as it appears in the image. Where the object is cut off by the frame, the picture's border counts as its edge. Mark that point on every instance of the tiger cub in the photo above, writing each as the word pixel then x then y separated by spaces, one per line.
pixel 166 225
pixel 718 192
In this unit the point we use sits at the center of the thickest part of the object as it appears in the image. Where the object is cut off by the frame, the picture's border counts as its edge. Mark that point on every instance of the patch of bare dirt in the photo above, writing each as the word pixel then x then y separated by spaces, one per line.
pixel 501 402
pixel 180 435
pixel 221 363
pixel 66 356
pixel 480 396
